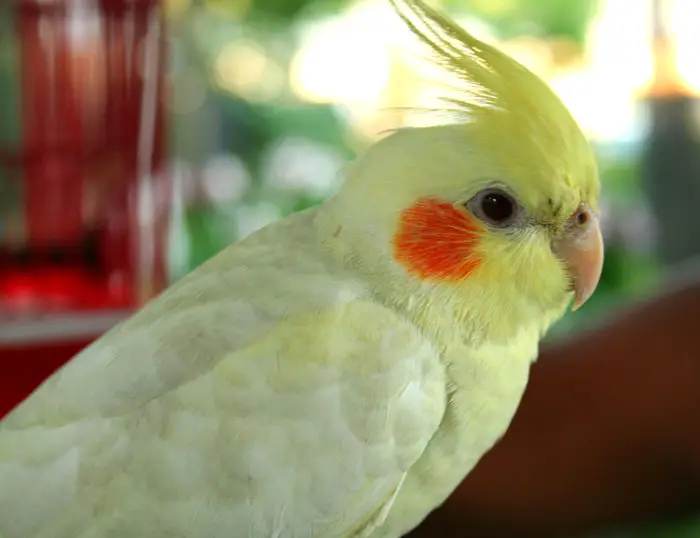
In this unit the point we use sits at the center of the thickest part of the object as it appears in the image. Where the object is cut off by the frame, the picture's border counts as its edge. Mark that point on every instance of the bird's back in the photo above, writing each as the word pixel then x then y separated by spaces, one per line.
pixel 137 397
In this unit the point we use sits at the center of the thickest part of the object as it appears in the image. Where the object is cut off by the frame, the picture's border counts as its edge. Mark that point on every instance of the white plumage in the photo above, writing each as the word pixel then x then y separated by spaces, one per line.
pixel 271 399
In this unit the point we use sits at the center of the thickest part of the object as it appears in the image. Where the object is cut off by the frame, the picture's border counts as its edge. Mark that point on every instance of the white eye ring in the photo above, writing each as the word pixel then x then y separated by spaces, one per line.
pixel 495 207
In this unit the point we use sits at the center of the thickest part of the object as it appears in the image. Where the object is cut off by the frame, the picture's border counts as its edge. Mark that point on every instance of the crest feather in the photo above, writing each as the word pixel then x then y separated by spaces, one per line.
pixel 505 102
pixel 494 80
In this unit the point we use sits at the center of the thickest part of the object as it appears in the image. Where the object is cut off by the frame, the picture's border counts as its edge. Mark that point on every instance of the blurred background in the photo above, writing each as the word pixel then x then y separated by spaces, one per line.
pixel 138 138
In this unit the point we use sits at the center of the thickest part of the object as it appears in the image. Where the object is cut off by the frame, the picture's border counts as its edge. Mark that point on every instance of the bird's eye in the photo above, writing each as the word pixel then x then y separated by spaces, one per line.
pixel 494 207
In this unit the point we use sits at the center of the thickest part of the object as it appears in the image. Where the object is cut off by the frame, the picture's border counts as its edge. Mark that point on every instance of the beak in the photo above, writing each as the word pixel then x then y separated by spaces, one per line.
pixel 581 249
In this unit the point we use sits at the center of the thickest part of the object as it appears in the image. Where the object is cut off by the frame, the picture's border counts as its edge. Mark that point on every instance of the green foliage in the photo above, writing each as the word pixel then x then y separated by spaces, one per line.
pixel 273 13
pixel 10 106
pixel 560 18
pixel 684 529
pixel 9 81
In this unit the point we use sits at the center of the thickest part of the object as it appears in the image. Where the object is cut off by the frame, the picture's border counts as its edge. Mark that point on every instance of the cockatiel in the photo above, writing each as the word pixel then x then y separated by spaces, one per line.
pixel 339 372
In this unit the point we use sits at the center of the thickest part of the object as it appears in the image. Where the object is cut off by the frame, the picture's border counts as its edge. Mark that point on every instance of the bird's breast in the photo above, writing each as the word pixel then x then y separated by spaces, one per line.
pixel 486 386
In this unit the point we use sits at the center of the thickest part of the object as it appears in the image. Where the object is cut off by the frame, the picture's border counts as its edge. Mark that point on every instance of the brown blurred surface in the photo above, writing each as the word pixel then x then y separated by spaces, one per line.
pixel 607 433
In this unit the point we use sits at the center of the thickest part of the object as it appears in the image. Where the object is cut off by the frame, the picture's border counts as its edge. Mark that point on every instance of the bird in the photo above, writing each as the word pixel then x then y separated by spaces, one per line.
pixel 339 372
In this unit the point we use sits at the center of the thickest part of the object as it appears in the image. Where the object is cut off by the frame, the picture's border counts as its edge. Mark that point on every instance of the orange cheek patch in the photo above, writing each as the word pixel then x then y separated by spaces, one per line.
pixel 436 241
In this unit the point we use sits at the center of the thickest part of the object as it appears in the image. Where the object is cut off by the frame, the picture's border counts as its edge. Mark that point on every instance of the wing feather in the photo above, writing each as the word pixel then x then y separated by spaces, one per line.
pixel 304 430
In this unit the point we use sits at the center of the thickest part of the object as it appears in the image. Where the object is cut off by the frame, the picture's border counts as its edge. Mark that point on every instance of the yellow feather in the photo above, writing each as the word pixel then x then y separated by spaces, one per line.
pixel 513 113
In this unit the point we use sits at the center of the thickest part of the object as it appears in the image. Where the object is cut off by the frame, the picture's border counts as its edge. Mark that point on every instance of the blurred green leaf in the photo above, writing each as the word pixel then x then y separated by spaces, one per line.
pixel 559 18
pixel 272 13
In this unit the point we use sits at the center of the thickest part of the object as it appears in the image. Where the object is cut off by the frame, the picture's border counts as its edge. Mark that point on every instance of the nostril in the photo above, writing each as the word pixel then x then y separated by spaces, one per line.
pixel 582 216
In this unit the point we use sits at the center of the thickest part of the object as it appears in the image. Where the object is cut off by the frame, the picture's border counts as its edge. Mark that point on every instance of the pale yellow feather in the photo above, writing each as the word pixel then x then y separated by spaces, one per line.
pixel 512 112
pixel 302 384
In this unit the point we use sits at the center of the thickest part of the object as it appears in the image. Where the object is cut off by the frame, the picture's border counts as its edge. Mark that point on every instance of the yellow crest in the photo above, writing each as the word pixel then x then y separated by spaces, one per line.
pixel 512 109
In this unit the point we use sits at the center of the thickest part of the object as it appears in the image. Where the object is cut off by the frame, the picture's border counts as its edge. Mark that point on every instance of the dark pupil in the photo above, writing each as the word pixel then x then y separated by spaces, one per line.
pixel 497 207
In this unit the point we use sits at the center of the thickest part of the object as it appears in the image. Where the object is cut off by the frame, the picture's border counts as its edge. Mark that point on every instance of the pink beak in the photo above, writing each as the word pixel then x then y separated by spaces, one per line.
pixel 581 249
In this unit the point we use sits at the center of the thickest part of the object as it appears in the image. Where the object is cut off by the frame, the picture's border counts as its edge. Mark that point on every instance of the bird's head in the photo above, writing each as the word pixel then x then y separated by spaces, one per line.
pixel 499 210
